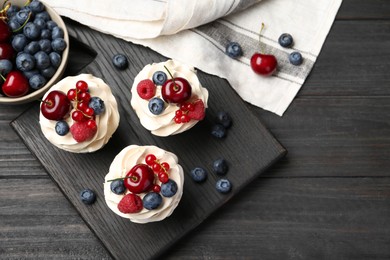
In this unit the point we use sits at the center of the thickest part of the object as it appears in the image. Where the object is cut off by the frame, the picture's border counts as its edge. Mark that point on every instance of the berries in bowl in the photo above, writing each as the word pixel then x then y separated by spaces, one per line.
pixel 34 49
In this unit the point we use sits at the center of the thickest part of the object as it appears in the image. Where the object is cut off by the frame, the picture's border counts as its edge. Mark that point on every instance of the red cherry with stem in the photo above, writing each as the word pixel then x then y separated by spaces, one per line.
pixel 263 64
pixel 5 32
pixel 56 105
pixel 176 90
pixel 15 84
pixel 6 51
pixel 139 179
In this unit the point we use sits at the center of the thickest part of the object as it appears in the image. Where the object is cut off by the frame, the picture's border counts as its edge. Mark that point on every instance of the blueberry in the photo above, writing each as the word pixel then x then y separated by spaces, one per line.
pixel 295 58
pixel 48 72
pixel 169 189
pixel 12 10
pixel 118 187
pixel 40 23
pixel 32 31
pixel 32 48
pixel 19 42
pixel 224 119
pixel 45 34
pixel 43 15
pixel 198 174
pixel 97 104
pixel 51 24
pixel 5 67
pixel 120 61
pixel 55 59
pixel 42 60
pixel 22 15
pixel 220 166
pixel 159 78
pixel 57 32
pixel 62 128
pixel 37 81
pixel 45 45
pixel 58 44
pixel 152 200
pixel 218 131
pixel 223 185
pixel 156 106
pixel 87 196
pixel 36 6
pixel 25 62
pixel 29 74
pixel 285 40
pixel 233 50
pixel 13 24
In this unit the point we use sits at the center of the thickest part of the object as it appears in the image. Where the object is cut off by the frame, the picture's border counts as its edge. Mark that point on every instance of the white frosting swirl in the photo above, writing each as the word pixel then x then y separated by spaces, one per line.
pixel 107 122
pixel 163 124
pixel 122 164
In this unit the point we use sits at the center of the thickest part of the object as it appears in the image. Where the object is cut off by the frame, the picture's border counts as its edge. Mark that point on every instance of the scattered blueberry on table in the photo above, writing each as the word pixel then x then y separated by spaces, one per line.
pixel 223 185
pixel 120 61
pixel 233 50
pixel 295 58
pixel 87 196
pixel 198 174
pixel 285 40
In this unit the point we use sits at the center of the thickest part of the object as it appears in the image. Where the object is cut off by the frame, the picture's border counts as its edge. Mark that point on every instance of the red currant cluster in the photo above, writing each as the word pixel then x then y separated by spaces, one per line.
pixel 81 97
pixel 159 168
pixel 190 110
pixel 181 115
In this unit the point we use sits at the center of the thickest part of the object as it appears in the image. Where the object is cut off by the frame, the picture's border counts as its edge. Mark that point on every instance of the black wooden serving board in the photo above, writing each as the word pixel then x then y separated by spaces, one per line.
pixel 249 149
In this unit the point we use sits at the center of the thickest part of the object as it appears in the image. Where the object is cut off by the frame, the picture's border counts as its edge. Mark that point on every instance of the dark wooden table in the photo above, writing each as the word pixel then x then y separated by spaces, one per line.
pixel 329 198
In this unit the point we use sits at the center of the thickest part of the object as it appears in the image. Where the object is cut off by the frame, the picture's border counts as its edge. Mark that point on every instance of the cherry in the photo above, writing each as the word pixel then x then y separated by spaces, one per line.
pixel 15 85
pixel 5 32
pixel 139 179
pixel 6 51
pixel 176 90
pixel 56 105
pixel 263 64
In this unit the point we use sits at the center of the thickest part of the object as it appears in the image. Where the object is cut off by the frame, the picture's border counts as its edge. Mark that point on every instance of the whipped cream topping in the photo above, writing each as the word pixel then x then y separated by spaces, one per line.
pixel 107 122
pixel 122 164
pixel 164 124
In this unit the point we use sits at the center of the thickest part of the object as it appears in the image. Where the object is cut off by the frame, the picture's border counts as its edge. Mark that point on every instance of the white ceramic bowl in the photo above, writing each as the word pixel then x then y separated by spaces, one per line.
pixel 35 95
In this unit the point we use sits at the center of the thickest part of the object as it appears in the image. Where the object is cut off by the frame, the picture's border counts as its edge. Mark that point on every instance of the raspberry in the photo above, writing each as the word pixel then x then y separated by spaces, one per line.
pixel 146 89
pixel 82 132
pixel 130 203
pixel 198 112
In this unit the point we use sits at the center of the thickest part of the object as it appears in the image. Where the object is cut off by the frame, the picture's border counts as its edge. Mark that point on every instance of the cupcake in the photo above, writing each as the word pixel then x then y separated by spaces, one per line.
pixel 168 98
pixel 79 114
pixel 144 184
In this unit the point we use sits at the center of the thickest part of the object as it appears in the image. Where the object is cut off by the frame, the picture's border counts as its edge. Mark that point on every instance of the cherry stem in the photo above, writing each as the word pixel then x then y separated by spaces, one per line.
pixel 50 103
pixel 176 88
pixel 133 178
pixel 2 77
pixel 261 45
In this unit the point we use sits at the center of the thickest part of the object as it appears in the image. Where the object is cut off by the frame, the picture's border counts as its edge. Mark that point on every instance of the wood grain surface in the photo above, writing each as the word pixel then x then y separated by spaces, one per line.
pixel 317 203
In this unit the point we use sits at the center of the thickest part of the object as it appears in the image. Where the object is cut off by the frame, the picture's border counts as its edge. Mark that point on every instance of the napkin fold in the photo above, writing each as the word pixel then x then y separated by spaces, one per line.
pixel 196 32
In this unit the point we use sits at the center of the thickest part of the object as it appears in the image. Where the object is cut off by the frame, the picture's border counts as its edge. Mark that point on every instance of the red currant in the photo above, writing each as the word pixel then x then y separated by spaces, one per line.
pixel 82 106
pixel 163 177
pixel 165 165
pixel 78 116
pixel 177 120
pixel 156 188
pixel 185 119
pixel 150 159
pixel 82 86
pixel 84 97
pixel 178 113
pixel 72 93
pixel 183 107
pixel 156 167
pixel 89 111
pixel 91 124
pixel 190 107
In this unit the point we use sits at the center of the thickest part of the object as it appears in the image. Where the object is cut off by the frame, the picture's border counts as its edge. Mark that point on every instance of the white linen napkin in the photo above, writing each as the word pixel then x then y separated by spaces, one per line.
pixel 196 32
